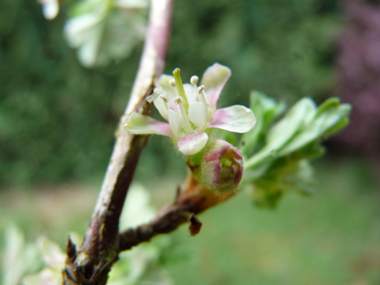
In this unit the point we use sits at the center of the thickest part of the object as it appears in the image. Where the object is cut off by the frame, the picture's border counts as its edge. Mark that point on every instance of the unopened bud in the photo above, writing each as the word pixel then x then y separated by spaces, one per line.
pixel 222 167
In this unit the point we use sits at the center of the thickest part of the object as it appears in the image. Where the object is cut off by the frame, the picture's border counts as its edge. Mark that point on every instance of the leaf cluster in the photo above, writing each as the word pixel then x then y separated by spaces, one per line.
pixel 278 151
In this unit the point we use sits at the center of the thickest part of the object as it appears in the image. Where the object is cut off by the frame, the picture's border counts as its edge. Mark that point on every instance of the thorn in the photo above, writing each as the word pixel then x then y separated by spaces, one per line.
pixel 71 250
pixel 195 225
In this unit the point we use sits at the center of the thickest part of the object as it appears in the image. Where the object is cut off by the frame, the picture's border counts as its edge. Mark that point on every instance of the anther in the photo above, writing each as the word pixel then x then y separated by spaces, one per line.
pixel 194 80
pixel 165 99
pixel 172 83
pixel 202 94
pixel 178 100
pixel 185 120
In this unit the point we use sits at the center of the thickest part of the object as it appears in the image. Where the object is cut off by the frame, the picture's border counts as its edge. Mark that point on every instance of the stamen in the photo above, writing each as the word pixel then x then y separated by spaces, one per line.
pixel 156 93
pixel 194 80
pixel 180 89
pixel 172 83
pixel 165 99
pixel 202 94
pixel 185 120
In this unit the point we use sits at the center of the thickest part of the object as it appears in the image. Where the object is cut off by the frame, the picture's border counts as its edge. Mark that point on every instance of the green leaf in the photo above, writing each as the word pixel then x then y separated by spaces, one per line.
pixel 19 258
pixel 265 110
pixel 282 178
pixel 282 164
pixel 284 130
pixel 328 120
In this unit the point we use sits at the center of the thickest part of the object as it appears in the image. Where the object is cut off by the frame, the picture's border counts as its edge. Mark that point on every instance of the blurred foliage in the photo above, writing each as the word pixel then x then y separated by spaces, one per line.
pixel 41 262
pixel 18 257
pixel 57 118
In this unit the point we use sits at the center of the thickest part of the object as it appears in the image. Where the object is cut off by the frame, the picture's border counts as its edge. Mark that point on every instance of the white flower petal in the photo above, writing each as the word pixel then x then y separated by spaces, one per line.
pixel 175 122
pixel 237 119
pixel 163 84
pixel 191 93
pixel 160 105
pixel 144 125
pixel 214 79
pixel 193 143
pixel 197 114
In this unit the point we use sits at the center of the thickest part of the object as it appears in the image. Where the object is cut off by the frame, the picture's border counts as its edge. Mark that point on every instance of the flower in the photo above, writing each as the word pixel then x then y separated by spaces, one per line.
pixel 191 110
pixel 222 166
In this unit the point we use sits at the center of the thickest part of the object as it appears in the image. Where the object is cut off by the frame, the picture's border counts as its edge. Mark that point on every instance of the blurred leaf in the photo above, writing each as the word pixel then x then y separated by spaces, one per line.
pixel 53 255
pixel 280 133
pixel 19 258
pixel 282 164
pixel 141 264
pixel 137 209
pixel 283 176
pixel 101 32
pixel 328 119
pixel 265 110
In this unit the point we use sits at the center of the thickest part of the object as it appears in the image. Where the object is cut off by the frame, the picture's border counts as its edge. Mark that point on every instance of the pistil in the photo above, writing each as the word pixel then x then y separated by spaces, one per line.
pixel 181 90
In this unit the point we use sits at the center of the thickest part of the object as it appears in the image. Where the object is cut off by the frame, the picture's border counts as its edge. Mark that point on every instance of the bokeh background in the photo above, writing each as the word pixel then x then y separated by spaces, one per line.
pixel 57 123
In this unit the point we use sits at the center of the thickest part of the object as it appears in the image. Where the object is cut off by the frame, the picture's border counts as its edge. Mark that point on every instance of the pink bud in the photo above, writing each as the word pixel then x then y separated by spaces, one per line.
pixel 222 166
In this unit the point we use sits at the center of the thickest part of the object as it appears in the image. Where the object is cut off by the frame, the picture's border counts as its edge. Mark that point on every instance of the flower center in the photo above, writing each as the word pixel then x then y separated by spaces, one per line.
pixel 192 101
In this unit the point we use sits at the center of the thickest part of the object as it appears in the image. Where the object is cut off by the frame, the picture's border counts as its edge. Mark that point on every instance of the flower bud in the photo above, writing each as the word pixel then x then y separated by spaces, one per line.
pixel 222 167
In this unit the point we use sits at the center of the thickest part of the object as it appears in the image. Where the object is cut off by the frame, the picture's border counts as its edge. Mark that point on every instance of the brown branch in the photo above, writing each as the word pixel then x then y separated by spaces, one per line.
pixel 194 200
pixel 99 250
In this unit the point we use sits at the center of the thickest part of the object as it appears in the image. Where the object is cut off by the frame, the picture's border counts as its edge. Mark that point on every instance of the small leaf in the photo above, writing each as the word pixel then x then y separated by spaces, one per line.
pixel 285 129
pixel 325 120
pixel 266 110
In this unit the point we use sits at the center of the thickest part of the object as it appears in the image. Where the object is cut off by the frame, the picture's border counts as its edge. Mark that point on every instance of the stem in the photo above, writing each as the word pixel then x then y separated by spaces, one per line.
pixel 194 200
pixel 91 263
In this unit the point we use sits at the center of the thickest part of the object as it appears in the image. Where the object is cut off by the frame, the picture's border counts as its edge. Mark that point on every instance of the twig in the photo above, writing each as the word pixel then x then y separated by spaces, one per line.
pixel 194 200
pixel 99 250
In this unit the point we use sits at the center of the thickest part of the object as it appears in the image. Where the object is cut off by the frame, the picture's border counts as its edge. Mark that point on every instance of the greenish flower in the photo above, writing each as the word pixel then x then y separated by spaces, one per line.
pixel 191 110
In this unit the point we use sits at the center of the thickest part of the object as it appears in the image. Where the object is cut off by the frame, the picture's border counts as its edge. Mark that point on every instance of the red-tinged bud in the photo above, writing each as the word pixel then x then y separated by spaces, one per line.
pixel 222 167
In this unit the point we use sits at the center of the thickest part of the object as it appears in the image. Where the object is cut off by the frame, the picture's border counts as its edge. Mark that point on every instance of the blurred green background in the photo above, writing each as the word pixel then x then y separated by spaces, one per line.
pixel 57 120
